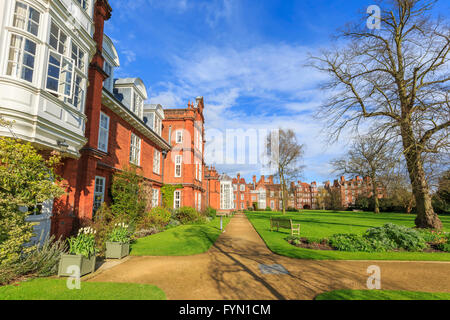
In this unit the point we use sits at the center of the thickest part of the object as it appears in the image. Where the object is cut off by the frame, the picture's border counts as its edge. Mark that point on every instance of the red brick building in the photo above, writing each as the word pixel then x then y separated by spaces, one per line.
pixel 351 189
pixel 184 164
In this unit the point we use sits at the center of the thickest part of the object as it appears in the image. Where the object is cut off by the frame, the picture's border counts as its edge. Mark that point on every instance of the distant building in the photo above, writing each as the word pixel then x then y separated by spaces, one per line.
pixel 350 190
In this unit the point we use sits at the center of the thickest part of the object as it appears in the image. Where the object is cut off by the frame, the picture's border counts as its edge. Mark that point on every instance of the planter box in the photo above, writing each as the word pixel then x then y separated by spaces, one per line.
pixel 86 265
pixel 117 250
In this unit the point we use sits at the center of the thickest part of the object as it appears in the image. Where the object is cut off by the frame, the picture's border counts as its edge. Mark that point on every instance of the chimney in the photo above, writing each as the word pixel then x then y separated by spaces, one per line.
pixel 342 179
pixel 254 179
pixel 271 179
pixel 263 179
pixel 239 177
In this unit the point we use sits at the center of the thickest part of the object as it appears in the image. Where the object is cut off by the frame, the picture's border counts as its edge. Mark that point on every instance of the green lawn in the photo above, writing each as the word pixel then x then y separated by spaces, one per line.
pixel 56 289
pixel 322 224
pixel 180 241
pixel 381 295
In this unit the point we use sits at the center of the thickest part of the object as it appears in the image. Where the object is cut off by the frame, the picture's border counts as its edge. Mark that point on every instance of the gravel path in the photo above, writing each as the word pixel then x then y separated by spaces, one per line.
pixel 239 266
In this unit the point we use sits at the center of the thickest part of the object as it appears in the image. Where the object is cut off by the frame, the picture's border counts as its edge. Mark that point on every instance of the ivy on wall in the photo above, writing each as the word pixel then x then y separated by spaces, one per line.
pixel 168 191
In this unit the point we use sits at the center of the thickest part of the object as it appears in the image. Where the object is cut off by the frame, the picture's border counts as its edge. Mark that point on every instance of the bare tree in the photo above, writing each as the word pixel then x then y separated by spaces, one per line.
pixel 285 156
pixel 369 156
pixel 398 78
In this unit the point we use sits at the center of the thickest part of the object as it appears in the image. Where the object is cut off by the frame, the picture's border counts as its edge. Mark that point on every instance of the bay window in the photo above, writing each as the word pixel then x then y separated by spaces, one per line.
pixel 26 18
pixel 21 58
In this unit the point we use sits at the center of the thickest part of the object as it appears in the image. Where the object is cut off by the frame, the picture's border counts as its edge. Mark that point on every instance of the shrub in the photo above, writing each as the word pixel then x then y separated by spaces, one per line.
pixel 291 209
pixel 434 237
pixel 128 194
pixel 250 209
pixel 26 180
pixel 159 217
pixel 188 215
pixel 144 233
pixel 83 243
pixel 350 242
pixel 399 237
pixel 268 209
pixel 444 247
pixel 103 223
pixel 41 262
pixel 210 212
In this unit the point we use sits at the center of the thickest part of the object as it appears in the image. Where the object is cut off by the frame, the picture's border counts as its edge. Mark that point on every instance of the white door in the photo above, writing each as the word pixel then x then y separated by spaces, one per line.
pixel 42 218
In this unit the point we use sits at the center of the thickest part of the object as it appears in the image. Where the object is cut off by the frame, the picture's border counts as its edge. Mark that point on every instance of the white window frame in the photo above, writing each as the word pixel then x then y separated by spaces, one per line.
pixel 108 83
pixel 179 136
pixel 105 131
pixel 78 56
pixel 199 201
pixel 61 46
pixel 99 193
pixel 200 172
pixel 177 199
pixel 156 162
pixel 63 84
pixel 84 4
pixel 78 94
pixel 135 150
pixel 28 22
pixel 155 198
pixel 242 187
pixel 16 67
pixel 178 165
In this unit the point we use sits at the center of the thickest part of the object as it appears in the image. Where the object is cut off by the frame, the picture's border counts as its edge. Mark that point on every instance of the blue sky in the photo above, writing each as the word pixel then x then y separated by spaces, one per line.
pixel 245 57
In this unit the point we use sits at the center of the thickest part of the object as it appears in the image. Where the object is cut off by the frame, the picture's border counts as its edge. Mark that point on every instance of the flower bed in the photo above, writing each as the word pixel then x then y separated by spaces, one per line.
pixel 388 238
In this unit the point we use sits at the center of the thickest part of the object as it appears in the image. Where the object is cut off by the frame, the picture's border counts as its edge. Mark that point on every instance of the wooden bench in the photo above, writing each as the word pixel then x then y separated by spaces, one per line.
pixel 285 224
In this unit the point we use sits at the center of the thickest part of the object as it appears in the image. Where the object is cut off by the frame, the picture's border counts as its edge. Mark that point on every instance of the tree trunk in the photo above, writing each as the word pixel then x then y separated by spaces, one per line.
pixel 426 217
pixel 376 201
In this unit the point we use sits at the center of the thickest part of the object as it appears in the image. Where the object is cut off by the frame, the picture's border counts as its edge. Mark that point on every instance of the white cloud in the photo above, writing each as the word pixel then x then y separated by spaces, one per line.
pixel 272 79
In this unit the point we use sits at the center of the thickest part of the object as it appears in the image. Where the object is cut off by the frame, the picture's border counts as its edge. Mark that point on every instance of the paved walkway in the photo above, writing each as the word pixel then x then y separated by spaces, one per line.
pixel 231 269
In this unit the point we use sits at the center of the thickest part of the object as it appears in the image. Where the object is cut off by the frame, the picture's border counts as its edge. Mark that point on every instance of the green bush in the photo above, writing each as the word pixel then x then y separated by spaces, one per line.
pixel 43 261
pixel 157 217
pixel 188 215
pixel 210 212
pixel 128 195
pixel 444 247
pixel 400 237
pixel 350 242
pixel 268 209
pixel 291 209
pixel 26 181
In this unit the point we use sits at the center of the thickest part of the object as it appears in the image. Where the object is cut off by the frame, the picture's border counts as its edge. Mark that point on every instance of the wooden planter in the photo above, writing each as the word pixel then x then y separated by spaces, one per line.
pixel 67 260
pixel 117 250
